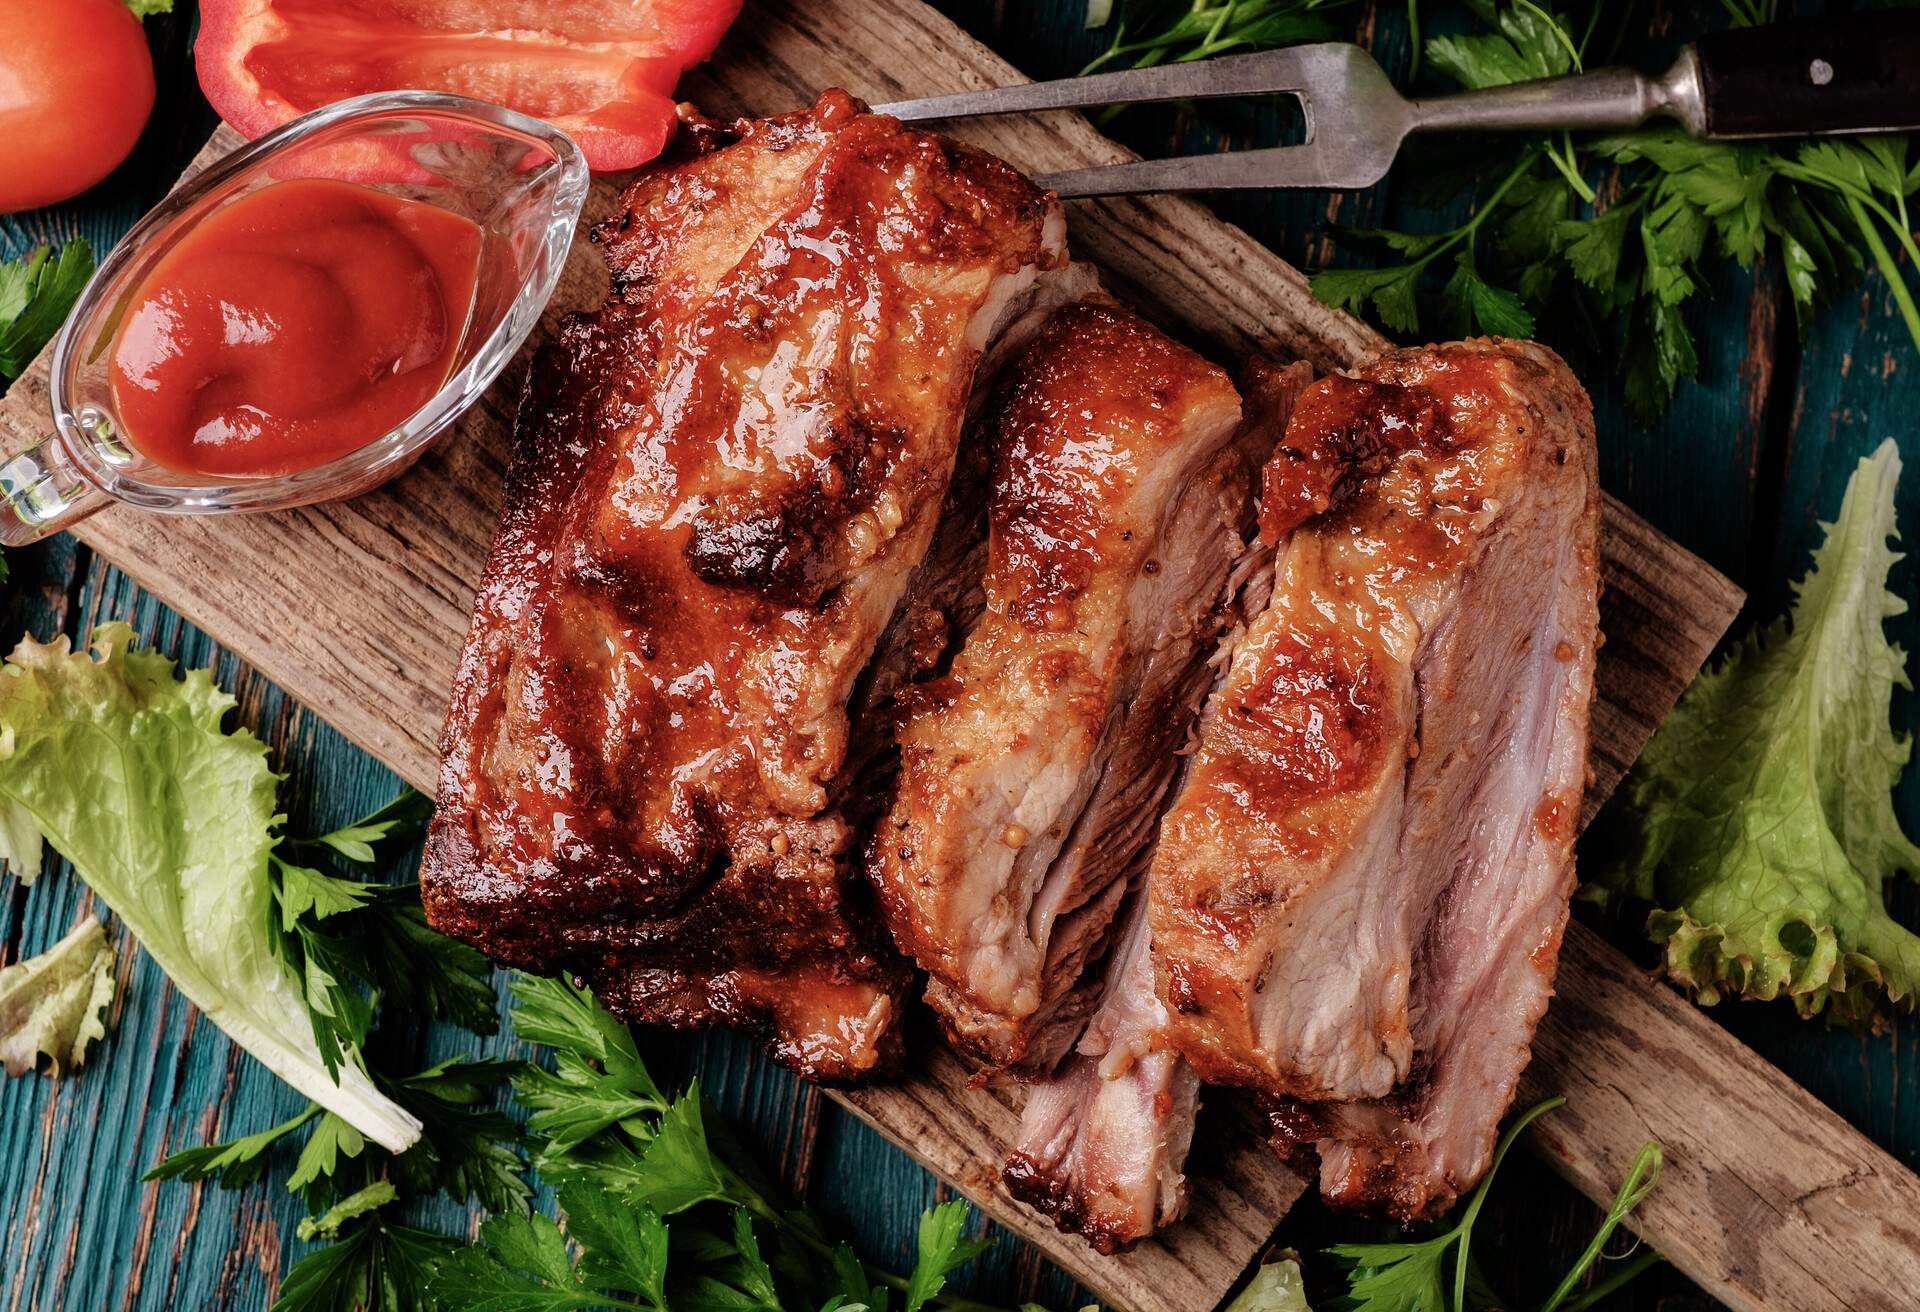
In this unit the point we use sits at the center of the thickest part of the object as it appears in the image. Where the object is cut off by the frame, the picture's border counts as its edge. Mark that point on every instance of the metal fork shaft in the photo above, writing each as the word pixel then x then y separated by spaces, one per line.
pixel 1604 98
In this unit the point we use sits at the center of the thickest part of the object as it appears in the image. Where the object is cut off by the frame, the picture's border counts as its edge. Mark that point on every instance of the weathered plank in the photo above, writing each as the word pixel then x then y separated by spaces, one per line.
pixel 1769 1200
pixel 356 609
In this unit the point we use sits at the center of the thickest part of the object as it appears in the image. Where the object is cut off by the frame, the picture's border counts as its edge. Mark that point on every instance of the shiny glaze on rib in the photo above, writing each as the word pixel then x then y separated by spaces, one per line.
pixel 1293 885
pixel 721 482
pixel 1031 772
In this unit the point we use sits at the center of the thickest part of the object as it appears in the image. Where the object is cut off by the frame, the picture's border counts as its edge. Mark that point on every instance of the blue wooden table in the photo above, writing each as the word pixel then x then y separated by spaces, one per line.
pixel 1740 471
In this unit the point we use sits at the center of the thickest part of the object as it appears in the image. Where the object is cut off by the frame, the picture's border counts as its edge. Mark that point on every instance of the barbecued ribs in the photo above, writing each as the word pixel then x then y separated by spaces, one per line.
pixel 1357 899
pixel 1103 1139
pixel 1030 775
pixel 721 482
pixel 736 561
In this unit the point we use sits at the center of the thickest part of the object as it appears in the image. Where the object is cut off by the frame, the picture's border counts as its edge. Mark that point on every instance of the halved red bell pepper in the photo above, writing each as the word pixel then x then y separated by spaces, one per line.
pixel 602 70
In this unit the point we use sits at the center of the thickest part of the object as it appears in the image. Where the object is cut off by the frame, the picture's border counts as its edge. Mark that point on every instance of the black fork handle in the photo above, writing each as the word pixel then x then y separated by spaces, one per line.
pixel 1857 74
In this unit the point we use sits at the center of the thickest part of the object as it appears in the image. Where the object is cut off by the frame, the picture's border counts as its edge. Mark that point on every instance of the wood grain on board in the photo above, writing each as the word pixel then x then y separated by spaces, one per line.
pixel 357 610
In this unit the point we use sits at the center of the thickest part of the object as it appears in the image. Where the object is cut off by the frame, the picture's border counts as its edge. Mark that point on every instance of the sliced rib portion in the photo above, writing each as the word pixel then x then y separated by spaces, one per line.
pixel 1030 774
pixel 1360 892
pixel 1103 1140
pixel 722 482
pixel 1102 1144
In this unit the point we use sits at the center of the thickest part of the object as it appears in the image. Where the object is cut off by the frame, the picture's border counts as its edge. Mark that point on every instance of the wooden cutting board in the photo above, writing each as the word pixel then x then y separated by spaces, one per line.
pixel 358 610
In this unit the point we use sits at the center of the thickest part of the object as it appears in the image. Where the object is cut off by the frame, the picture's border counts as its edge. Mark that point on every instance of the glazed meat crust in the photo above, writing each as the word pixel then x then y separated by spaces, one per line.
pixel 1103 1138
pixel 1031 772
pixel 1358 897
pixel 722 481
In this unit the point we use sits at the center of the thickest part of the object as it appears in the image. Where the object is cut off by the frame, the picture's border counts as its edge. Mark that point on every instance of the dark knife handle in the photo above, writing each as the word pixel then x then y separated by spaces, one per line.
pixel 1857 74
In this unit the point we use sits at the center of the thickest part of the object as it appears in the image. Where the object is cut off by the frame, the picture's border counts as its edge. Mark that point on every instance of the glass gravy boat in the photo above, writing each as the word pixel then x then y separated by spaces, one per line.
pixel 520 180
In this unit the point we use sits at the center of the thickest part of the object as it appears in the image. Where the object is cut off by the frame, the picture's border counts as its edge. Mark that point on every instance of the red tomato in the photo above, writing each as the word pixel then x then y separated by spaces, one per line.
pixel 603 70
pixel 76 86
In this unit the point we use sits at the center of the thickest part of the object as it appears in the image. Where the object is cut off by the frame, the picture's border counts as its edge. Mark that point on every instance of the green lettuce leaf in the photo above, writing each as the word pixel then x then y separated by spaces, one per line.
pixel 1277 1286
pixel 1760 822
pixel 51 1003
pixel 125 771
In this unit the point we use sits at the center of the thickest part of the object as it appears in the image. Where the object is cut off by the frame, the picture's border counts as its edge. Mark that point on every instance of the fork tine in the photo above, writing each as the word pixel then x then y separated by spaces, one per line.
pixel 1295 69
pixel 1355 120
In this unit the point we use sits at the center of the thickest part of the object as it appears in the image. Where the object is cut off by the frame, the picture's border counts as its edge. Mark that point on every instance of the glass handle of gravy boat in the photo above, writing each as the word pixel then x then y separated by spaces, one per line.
pixel 41 493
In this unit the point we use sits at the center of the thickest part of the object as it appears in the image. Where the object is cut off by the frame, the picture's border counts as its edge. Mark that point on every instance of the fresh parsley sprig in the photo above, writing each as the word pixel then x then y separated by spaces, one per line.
pixel 1148 32
pixel 1598 244
pixel 663 1208
pixel 602 1129
pixel 1611 268
pixel 350 942
pixel 466 1150
pixel 1438 1274
pixel 36 291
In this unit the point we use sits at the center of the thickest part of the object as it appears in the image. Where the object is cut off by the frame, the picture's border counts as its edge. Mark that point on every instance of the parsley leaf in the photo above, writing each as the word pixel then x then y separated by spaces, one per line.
pixel 623 1248
pixel 350 942
pixel 234 1164
pixel 377 1265
pixel 36 291
pixel 1476 306
pixel 1526 43
pixel 467 1149
pixel 521 1265
pixel 332 1142
pixel 401 820
pixel 597 1080
pixel 942 1249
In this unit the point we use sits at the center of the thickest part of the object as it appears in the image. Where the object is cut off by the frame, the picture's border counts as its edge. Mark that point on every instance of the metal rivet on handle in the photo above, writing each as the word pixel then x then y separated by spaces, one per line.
pixel 1820 72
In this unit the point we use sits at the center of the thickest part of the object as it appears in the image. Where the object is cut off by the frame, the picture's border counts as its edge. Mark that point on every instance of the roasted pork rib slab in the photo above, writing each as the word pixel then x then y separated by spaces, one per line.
pixel 1357 899
pixel 1103 1138
pixel 722 481
pixel 1031 772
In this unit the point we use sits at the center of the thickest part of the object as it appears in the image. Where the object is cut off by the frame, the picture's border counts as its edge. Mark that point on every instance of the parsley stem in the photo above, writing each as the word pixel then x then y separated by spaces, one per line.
pixel 1820 178
pixel 1219 24
pixel 1568 167
pixel 1628 1273
pixel 1586 37
pixel 1553 25
pixel 1889 267
pixel 1641 1178
pixel 1464 1230
pixel 1479 216
pixel 1413 38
